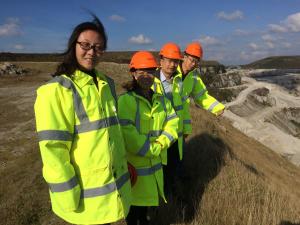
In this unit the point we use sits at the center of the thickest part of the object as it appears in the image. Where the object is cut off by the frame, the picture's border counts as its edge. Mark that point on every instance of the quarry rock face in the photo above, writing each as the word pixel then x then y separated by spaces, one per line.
pixel 11 69
pixel 268 109
pixel 223 80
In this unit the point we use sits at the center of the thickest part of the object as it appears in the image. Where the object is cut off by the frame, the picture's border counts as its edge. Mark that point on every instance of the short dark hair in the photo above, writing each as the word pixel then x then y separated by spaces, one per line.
pixel 69 63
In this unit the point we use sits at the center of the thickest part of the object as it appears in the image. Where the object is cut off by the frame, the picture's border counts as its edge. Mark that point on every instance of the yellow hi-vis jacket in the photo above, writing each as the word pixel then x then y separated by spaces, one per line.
pixel 144 124
pixel 181 107
pixel 82 149
pixel 194 87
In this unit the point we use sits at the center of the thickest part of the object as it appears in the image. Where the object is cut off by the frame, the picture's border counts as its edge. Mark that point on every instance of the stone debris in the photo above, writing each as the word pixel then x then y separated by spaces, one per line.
pixel 7 68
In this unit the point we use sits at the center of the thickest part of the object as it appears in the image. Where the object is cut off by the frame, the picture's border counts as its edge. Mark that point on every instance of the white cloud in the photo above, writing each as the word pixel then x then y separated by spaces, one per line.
pixel 19 47
pixel 287 45
pixel 10 28
pixel 140 39
pixel 277 28
pixel 269 40
pixel 208 40
pixel 253 46
pixel 240 32
pixel 252 56
pixel 270 44
pixel 268 37
pixel 293 22
pixel 236 15
pixel 290 24
pixel 117 18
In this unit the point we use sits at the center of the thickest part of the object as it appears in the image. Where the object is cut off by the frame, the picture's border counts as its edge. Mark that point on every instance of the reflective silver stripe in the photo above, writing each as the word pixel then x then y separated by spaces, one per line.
pixel 187 121
pixel 153 133
pixel 106 189
pixel 59 135
pixel 169 136
pixel 78 105
pixel 155 87
pixel 65 186
pixel 184 98
pixel 96 125
pixel 194 79
pixel 180 87
pixel 148 171
pixel 180 134
pixel 172 116
pixel 177 108
pixel 199 94
pixel 212 106
pixel 138 116
pixel 111 84
pixel 125 122
pixel 145 148
pixel 163 103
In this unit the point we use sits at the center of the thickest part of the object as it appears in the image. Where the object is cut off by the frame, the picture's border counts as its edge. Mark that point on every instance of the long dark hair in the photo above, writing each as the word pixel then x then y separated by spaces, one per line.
pixel 131 85
pixel 69 63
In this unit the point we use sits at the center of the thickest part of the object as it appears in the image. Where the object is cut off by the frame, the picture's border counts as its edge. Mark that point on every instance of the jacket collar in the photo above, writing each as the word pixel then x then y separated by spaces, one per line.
pixel 175 74
pixel 81 78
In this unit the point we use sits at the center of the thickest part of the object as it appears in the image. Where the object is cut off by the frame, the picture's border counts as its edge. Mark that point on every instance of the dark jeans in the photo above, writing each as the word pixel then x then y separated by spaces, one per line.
pixel 137 213
pixel 173 170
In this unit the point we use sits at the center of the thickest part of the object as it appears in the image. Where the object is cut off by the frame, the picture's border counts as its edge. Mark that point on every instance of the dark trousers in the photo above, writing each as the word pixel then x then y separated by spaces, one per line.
pixel 173 170
pixel 137 213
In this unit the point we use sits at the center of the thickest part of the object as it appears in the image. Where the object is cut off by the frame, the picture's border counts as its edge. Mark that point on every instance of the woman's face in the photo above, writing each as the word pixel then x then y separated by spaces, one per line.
pixel 144 79
pixel 89 48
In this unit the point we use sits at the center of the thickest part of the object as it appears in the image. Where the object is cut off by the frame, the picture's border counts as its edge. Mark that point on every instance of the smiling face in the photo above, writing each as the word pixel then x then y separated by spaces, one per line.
pixel 88 59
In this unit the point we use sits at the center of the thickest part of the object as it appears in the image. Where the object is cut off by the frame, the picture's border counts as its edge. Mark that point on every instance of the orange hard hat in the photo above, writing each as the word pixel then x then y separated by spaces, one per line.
pixel 171 51
pixel 194 49
pixel 142 60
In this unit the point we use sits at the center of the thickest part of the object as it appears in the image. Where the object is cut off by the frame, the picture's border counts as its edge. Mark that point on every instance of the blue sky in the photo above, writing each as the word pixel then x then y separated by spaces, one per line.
pixel 232 31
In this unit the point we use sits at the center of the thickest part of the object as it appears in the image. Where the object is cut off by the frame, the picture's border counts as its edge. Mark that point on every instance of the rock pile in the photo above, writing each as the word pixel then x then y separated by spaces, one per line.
pixel 11 69
pixel 262 96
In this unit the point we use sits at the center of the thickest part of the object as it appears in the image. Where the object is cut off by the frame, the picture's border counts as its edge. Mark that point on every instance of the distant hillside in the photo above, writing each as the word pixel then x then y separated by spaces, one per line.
pixel 276 62
pixel 117 57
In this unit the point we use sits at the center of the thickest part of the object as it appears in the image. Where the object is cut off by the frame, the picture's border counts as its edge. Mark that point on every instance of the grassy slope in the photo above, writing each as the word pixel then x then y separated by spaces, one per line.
pixel 231 178
pixel 276 62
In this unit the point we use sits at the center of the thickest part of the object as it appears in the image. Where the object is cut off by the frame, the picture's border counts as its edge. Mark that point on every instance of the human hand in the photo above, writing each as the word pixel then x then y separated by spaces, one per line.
pixel 220 113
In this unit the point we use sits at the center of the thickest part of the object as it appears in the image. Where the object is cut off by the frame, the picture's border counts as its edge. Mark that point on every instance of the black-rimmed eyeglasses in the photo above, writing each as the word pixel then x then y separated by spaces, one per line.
pixel 87 46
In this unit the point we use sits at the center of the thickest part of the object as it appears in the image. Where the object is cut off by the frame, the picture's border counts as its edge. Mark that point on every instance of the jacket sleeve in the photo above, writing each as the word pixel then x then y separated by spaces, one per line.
pixel 54 116
pixel 170 128
pixel 203 99
pixel 136 143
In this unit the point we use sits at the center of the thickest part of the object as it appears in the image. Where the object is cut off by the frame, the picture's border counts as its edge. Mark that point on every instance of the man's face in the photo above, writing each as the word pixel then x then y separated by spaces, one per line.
pixel 168 66
pixel 190 62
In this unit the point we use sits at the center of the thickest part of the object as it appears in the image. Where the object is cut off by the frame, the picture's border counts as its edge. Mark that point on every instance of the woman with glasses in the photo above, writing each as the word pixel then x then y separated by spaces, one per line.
pixel 80 138
pixel 149 126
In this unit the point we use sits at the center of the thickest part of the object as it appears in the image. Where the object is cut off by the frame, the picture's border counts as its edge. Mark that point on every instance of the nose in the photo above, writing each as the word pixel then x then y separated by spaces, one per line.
pixel 91 51
pixel 174 63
